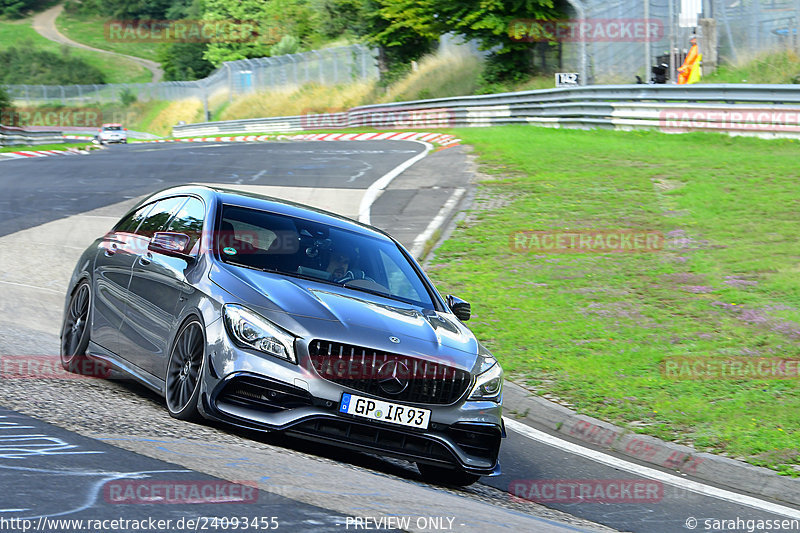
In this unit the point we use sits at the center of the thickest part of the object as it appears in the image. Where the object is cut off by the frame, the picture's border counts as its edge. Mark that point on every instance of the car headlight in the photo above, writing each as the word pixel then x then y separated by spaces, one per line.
pixel 489 383
pixel 254 331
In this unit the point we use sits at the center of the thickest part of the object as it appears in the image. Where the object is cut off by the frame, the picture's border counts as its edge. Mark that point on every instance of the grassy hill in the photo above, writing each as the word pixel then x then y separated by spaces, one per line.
pixel 90 29
pixel 114 69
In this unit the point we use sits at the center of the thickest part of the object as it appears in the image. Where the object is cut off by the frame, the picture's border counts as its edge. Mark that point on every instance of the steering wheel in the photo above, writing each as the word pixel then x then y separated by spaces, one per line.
pixel 350 275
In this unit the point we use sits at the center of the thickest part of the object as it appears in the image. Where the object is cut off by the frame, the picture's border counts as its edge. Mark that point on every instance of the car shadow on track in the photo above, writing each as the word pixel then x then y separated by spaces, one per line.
pixel 389 466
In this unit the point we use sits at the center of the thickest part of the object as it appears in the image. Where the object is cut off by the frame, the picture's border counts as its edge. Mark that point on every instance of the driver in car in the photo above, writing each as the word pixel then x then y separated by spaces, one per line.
pixel 339 263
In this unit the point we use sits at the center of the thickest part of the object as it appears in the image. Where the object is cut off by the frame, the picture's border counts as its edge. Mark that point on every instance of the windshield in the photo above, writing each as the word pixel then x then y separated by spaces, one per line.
pixel 112 128
pixel 311 250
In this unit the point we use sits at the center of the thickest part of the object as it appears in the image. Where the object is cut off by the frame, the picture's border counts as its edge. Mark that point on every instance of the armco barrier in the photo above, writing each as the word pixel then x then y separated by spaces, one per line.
pixel 762 110
pixel 10 136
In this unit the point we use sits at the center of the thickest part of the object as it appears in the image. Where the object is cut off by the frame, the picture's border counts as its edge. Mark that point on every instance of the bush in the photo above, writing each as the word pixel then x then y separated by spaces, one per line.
pixel 184 61
pixel 28 65
pixel 15 9
pixel 289 44
pixel 127 97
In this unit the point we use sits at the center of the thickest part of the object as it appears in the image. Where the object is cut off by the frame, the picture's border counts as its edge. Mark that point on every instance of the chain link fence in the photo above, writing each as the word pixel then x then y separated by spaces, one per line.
pixel 611 51
pixel 328 67
pixel 750 27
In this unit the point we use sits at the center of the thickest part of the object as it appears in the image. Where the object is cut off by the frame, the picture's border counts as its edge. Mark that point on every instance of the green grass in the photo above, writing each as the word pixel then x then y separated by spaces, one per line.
pixel 116 69
pixel 593 329
pixel 776 67
pixel 90 30
pixel 64 146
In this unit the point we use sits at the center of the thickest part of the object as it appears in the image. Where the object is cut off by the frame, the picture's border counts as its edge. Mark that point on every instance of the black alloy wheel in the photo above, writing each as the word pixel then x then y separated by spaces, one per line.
pixel 75 330
pixel 184 370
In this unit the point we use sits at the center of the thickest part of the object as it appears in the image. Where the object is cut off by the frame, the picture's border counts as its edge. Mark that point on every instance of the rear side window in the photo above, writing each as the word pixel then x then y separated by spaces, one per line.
pixel 189 220
pixel 159 216
pixel 130 223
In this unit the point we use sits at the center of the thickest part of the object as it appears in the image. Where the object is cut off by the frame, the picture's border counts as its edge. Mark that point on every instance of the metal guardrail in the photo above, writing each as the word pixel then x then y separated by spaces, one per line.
pixel 10 136
pixel 763 110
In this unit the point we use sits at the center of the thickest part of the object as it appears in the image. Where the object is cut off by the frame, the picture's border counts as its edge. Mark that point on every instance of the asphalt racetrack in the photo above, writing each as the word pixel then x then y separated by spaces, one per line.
pixel 66 443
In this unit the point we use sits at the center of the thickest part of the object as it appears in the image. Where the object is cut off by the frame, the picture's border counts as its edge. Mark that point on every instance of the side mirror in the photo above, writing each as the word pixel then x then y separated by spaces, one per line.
pixel 459 307
pixel 171 244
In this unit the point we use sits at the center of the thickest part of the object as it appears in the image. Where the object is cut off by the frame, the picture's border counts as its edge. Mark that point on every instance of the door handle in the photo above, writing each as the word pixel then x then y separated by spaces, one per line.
pixel 145 259
pixel 111 251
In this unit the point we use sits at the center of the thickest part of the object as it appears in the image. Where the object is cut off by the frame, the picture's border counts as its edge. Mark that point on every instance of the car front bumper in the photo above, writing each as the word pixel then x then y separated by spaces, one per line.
pixel 253 390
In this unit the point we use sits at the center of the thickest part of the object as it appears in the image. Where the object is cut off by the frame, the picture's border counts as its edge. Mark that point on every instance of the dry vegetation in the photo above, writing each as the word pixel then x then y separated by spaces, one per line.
pixel 312 98
pixel 189 110
pixel 438 76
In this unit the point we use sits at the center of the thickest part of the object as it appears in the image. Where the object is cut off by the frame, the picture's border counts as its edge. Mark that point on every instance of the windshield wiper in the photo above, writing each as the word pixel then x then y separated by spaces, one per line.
pixel 365 289
pixel 244 265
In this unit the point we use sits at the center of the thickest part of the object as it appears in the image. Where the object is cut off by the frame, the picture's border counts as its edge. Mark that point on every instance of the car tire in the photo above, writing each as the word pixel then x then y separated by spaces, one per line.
pixel 75 329
pixel 438 475
pixel 184 371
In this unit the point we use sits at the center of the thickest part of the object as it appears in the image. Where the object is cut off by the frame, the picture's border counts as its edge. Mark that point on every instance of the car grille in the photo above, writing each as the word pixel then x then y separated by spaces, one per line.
pixel 366 370
pixel 263 394
pixel 369 437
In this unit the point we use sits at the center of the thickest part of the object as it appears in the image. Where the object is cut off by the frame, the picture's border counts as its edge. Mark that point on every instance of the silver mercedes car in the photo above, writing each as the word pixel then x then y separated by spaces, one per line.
pixel 274 316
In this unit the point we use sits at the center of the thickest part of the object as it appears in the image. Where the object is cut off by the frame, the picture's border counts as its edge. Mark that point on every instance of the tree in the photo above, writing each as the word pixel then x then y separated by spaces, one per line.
pixel 487 21
pixel 15 9
pixel 184 61
pixel 363 20
pixel 335 19
pixel 275 19
pixel 6 105
pixel 122 9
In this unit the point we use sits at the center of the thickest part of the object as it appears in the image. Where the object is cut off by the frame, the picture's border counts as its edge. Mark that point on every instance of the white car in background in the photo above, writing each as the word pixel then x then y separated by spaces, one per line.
pixel 112 133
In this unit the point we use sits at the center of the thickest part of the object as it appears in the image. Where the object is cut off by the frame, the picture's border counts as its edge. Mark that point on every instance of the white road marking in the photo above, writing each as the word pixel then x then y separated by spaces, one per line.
pixel 374 190
pixel 651 473
pixel 421 239
pixel 257 176
pixel 363 171
pixel 31 286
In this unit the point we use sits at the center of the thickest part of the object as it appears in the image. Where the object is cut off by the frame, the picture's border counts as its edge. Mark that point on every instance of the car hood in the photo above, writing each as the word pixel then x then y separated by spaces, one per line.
pixel 316 310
